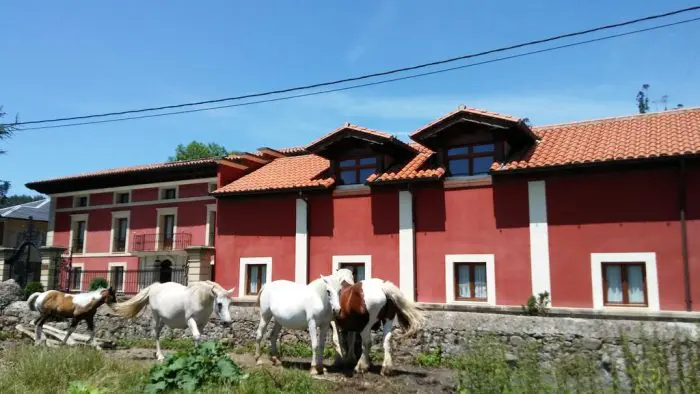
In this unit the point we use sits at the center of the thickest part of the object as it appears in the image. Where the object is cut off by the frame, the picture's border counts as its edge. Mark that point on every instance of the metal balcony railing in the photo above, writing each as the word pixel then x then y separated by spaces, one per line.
pixel 162 242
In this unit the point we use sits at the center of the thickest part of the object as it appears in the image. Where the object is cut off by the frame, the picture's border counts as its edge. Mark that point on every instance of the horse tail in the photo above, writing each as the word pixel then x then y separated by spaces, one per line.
pixel 133 306
pixel 257 302
pixel 31 301
pixel 409 315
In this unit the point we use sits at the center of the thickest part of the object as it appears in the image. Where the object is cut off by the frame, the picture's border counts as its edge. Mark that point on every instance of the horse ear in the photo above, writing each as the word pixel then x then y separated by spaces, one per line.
pixel 230 292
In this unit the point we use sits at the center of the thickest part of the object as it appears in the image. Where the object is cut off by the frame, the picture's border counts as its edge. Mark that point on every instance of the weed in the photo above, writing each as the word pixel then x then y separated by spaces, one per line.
pixel 431 359
pixel 537 305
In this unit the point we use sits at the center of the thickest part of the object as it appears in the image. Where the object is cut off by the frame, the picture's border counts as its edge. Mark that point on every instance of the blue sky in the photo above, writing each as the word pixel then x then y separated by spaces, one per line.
pixel 69 58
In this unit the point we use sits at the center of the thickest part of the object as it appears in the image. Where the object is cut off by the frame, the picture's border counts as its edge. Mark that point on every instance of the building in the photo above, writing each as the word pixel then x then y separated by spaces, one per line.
pixel 478 209
pixel 22 232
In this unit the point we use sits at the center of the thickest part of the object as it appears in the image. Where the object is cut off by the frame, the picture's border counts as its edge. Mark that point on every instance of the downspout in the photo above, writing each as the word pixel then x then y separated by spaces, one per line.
pixel 684 237
pixel 308 234
pixel 415 248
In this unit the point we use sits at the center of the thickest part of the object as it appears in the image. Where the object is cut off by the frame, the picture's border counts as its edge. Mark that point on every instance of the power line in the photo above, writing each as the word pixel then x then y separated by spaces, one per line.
pixel 372 83
pixel 367 76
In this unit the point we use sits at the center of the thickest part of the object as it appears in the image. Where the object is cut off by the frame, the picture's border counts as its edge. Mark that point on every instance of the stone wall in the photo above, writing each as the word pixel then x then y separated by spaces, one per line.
pixel 448 330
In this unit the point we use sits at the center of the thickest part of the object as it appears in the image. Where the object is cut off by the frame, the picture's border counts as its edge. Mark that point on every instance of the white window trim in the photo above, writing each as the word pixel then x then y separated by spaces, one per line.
pixel 73 220
pixel 649 260
pixel 452 259
pixel 161 189
pixel 139 204
pixel 357 258
pixel 117 193
pixel 245 262
pixel 82 275
pixel 120 215
pixel 77 197
pixel 210 208
pixel 109 268
pixel 162 212
pixel 141 186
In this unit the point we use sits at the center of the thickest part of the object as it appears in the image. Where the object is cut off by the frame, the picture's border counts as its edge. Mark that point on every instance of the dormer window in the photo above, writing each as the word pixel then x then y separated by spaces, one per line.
pixel 356 171
pixel 472 159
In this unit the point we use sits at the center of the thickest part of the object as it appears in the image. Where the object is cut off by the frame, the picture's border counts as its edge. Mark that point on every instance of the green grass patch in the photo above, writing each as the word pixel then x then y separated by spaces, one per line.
pixel 296 350
pixel 166 343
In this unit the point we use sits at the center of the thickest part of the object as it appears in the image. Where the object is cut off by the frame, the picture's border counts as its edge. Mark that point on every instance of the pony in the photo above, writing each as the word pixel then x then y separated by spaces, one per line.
pixel 179 306
pixel 55 305
pixel 363 306
pixel 298 307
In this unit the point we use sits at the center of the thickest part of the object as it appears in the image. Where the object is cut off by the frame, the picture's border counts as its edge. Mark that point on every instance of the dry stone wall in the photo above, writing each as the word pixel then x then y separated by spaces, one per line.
pixel 449 331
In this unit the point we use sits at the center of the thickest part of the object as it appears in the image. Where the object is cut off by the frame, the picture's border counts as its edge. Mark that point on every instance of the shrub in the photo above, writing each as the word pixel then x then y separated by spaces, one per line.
pixel 32 287
pixel 537 305
pixel 97 283
pixel 189 370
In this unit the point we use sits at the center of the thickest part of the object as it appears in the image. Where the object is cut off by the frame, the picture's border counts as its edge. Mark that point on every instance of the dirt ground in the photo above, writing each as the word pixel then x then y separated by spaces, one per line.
pixel 405 378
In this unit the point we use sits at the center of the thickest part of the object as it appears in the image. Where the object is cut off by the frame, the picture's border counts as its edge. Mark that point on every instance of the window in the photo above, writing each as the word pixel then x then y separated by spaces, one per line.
pixel 624 284
pixel 122 198
pixel 212 228
pixel 121 225
pixel 256 275
pixel 81 201
pixel 358 270
pixel 76 278
pixel 470 281
pixel 116 278
pixel 79 237
pixel 356 171
pixel 470 159
pixel 212 187
pixel 168 231
pixel 168 194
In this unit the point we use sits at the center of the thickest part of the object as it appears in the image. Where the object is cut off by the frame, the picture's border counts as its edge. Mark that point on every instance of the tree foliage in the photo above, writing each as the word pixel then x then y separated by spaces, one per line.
pixel 198 150
pixel 643 99
pixel 18 199
pixel 5 133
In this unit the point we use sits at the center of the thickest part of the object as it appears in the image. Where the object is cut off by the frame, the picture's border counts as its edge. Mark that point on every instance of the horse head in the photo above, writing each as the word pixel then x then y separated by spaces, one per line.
pixel 109 295
pixel 332 287
pixel 222 300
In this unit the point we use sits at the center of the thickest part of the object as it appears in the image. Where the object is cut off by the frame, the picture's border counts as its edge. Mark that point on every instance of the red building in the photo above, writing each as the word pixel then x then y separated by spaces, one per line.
pixel 479 209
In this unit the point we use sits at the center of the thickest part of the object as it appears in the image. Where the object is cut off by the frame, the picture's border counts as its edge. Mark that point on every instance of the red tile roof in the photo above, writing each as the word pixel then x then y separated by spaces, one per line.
pixel 647 136
pixel 127 170
pixel 286 173
pixel 351 127
pixel 467 111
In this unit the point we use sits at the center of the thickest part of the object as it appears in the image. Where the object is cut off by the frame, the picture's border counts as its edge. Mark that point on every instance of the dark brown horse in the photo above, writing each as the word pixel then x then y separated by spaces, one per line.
pixel 53 304
pixel 366 304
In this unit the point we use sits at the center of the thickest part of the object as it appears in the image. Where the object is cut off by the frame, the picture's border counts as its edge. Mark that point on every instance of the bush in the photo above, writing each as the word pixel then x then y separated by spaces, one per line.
pixel 97 283
pixel 189 370
pixel 31 288
pixel 537 306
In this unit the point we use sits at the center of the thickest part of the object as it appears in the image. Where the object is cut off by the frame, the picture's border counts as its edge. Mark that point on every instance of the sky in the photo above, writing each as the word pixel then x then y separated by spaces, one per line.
pixel 72 58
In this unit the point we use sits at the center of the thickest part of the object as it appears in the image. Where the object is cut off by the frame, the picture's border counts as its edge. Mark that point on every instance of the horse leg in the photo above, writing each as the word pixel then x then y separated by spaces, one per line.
pixel 322 332
pixel 315 368
pixel 274 337
pixel 39 331
pixel 336 345
pixel 364 362
pixel 350 356
pixel 264 321
pixel 195 330
pixel 73 323
pixel 157 328
pixel 90 321
pixel 387 365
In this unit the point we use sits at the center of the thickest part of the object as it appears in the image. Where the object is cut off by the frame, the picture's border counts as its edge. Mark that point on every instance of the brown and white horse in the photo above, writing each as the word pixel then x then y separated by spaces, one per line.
pixel 56 305
pixel 365 304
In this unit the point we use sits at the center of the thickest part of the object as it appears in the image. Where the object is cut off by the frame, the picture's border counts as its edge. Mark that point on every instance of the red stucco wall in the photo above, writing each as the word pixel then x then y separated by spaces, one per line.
pixel 693 233
pixel 613 213
pixel 255 227
pixel 355 225
pixel 482 220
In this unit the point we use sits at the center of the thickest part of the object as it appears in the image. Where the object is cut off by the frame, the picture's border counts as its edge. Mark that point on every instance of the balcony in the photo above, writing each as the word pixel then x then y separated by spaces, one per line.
pixel 156 243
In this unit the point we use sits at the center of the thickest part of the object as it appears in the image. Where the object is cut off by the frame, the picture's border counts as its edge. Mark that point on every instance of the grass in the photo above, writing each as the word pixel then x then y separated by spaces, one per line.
pixel 78 370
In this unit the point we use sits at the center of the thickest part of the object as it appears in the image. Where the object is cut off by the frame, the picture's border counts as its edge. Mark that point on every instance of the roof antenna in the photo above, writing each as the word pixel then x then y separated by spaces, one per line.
pixel 461 106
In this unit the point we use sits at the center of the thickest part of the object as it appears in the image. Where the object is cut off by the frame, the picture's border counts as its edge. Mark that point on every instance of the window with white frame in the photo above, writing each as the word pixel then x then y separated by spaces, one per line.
pixel 625 280
pixel 211 225
pixel 359 265
pixel 76 277
pixel 254 273
pixel 78 233
pixel 169 193
pixel 117 276
pixel 81 201
pixel 122 197
pixel 470 278
pixel 120 228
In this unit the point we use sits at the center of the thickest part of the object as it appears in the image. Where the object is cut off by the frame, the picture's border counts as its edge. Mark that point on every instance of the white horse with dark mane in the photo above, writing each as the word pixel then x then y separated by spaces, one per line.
pixel 299 307
pixel 179 306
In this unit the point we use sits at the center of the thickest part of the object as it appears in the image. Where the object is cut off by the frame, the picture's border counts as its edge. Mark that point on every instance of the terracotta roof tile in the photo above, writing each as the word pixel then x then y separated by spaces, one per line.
pixel 466 110
pixel 670 133
pixel 132 169
pixel 352 127
pixel 286 173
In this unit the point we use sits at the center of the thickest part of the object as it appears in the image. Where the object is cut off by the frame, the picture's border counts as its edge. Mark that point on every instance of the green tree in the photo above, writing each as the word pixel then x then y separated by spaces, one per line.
pixel 19 199
pixel 198 150
pixel 643 99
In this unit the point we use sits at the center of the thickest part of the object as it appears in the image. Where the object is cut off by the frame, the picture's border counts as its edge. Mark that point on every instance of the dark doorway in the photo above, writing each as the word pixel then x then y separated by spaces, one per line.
pixel 166 271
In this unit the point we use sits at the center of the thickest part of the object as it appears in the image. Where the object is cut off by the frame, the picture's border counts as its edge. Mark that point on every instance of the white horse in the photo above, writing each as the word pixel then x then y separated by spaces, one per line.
pixel 179 306
pixel 299 307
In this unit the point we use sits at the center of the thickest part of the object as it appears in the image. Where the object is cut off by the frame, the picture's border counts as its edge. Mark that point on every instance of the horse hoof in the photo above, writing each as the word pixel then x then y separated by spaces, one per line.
pixel 386 371
pixel 275 360
pixel 317 370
